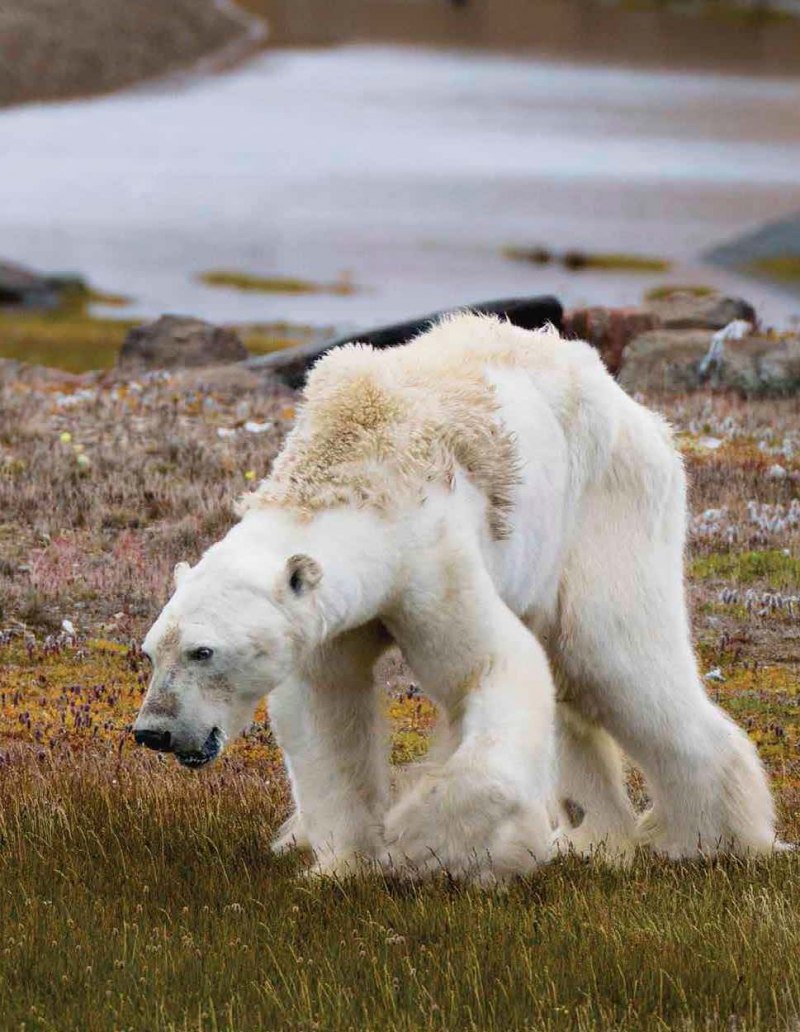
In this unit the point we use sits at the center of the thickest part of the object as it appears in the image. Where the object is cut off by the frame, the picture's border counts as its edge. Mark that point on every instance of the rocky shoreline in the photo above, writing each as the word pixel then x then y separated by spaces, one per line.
pixel 678 340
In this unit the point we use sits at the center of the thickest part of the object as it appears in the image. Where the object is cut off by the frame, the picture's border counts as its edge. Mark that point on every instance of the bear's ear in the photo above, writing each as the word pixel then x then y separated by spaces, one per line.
pixel 302 573
pixel 179 572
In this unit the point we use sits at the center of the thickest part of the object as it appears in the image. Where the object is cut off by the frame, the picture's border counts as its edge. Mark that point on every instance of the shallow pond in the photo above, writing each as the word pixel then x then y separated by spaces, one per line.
pixel 408 170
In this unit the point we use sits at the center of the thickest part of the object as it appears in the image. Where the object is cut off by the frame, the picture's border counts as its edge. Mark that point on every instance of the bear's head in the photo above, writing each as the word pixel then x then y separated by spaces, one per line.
pixel 232 631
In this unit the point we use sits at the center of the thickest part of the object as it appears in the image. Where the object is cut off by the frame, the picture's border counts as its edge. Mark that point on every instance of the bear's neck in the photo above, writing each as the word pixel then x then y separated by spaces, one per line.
pixel 358 551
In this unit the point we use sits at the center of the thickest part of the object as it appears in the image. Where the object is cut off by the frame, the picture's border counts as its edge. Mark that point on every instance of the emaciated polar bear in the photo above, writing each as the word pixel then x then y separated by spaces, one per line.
pixel 490 500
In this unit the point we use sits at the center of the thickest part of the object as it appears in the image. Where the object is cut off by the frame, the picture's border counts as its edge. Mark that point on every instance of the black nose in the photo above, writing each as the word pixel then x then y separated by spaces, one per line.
pixel 161 740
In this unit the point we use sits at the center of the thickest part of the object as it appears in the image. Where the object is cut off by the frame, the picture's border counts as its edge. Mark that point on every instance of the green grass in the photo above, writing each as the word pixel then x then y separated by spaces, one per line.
pixel 778 570
pixel 141 896
pixel 273 284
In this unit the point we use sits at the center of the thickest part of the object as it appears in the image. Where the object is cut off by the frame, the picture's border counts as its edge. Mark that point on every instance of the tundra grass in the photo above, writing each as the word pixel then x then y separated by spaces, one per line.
pixel 138 895
pixel 776 568
pixel 71 341
pixel 785 267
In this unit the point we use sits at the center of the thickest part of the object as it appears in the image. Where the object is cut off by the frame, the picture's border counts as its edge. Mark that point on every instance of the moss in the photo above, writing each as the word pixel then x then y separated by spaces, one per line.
pixel 579 260
pixel 273 284
pixel 784 267
pixel 71 339
pixel 764 700
pixel 660 293
pixel 63 339
pixel 412 720
pixel 779 570
pixel 68 337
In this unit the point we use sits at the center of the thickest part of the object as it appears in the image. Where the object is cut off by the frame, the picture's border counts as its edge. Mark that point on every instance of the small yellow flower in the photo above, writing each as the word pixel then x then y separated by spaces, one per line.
pixel 250 474
pixel 65 437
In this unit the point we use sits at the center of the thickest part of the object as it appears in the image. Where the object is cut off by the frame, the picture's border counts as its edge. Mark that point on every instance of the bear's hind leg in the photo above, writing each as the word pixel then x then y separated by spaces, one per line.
pixel 708 787
pixel 624 643
pixel 591 778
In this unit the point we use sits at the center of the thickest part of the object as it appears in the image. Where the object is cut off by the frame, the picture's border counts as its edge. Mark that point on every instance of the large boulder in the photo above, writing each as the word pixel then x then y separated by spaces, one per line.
pixel 21 287
pixel 673 361
pixel 179 342
pixel 688 310
pixel 609 330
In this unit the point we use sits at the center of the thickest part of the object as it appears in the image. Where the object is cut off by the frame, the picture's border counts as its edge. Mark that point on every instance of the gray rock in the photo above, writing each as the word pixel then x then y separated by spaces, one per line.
pixel 683 310
pixel 178 342
pixel 748 253
pixel 23 288
pixel 671 360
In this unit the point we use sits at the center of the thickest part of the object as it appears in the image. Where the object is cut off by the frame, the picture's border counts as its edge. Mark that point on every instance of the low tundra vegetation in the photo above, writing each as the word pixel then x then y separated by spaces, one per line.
pixel 575 260
pixel 275 284
pixel 779 568
pixel 138 895
pixel 783 267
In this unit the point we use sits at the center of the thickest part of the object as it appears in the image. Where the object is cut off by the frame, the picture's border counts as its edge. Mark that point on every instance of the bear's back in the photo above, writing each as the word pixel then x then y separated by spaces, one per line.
pixel 377 428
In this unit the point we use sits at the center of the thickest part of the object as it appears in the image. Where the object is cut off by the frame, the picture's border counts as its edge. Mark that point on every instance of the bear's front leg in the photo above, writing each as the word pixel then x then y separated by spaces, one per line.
pixel 482 814
pixel 329 725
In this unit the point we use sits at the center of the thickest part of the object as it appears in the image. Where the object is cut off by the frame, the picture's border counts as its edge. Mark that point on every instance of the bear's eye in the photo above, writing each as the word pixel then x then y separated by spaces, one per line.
pixel 201 654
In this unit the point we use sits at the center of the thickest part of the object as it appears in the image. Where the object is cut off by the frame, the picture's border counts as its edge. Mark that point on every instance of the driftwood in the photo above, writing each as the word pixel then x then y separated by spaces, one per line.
pixel 291 364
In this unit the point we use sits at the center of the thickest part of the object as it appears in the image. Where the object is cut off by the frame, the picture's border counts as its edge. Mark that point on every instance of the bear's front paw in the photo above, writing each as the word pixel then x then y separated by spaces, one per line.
pixel 291 835
pixel 338 866
pixel 463 824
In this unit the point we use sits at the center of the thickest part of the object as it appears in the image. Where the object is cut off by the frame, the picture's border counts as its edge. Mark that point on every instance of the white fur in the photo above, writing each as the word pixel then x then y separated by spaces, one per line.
pixel 547 649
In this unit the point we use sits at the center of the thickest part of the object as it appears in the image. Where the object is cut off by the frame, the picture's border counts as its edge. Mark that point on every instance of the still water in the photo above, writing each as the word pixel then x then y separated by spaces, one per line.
pixel 408 169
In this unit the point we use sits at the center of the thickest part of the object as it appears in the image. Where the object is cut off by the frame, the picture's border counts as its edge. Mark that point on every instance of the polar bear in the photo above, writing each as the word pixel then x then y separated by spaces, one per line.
pixel 490 500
